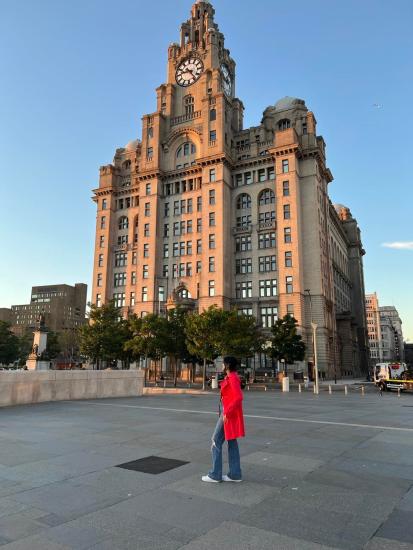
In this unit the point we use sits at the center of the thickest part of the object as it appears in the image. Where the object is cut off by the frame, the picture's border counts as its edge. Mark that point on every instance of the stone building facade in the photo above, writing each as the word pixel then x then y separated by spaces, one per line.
pixel 237 217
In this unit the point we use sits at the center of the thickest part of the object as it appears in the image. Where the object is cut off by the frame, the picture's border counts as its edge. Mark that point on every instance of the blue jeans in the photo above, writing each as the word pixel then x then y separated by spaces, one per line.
pixel 218 439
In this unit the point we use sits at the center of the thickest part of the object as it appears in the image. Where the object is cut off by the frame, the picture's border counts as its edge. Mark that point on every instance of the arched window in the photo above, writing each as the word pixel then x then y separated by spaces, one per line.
pixel 266 197
pixel 284 124
pixel 243 201
pixel 126 164
pixel 189 105
pixel 123 223
pixel 185 150
pixel 212 115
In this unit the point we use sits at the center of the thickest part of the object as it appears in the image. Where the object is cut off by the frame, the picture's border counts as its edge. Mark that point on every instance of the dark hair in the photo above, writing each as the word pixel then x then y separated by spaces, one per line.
pixel 231 363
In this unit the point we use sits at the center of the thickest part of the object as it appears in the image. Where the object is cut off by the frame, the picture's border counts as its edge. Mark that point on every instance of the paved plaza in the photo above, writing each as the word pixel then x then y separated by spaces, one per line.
pixel 320 472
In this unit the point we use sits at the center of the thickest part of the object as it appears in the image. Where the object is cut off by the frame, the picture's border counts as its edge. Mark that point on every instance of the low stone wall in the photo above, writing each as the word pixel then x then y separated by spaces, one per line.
pixel 23 387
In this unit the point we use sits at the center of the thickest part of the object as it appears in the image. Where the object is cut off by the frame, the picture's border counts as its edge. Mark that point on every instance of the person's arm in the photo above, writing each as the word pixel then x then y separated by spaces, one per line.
pixel 236 395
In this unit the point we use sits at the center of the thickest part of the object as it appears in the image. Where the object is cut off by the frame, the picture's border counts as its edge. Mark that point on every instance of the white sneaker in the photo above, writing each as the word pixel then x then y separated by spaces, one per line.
pixel 227 478
pixel 208 479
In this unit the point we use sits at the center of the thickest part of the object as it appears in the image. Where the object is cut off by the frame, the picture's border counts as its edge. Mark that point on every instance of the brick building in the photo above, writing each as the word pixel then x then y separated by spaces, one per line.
pixel 238 217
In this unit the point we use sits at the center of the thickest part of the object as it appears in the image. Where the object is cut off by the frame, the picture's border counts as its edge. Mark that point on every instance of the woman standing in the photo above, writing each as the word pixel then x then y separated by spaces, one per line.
pixel 229 427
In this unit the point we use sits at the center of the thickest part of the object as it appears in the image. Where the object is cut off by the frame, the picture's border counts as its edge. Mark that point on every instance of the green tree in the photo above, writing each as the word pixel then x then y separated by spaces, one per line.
pixel 240 335
pixel 104 337
pixel 203 335
pixel 148 337
pixel 25 346
pixel 69 341
pixel 9 344
pixel 176 345
pixel 286 343
pixel 53 347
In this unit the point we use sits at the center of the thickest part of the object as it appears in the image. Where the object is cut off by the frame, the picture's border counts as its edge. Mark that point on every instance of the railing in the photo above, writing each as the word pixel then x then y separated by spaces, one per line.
pixel 242 229
pixel 268 225
pixel 243 148
pixel 212 143
pixel 185 118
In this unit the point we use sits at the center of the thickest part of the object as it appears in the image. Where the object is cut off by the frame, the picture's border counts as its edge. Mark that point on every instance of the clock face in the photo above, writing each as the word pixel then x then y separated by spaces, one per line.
pixel 189 71
pixel 226 80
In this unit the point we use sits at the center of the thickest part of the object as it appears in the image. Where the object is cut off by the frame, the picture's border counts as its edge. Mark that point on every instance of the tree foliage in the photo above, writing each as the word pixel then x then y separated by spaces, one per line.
pixel 148 337
pixel 9 344
pixel 286 343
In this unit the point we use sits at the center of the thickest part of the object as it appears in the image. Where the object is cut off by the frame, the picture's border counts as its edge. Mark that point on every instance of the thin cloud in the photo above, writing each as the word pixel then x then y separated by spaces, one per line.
pixel 406 245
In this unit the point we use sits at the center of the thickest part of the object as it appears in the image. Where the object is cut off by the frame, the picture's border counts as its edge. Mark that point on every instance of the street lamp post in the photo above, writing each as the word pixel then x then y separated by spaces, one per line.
pixel 314 327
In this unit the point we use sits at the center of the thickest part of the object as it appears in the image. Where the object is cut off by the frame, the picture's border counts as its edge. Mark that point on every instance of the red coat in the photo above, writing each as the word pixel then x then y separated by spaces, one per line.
pixel 231 396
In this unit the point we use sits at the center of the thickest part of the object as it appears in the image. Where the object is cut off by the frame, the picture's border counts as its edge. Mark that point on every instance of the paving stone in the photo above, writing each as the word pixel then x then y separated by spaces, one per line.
pixel 230 535
pixel 241 494
pixel 286 462
pixel 398 527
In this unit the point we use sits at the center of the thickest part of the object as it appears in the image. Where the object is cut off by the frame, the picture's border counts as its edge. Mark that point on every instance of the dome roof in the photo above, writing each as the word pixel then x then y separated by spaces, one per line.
pixel 289 103
pixel 132 145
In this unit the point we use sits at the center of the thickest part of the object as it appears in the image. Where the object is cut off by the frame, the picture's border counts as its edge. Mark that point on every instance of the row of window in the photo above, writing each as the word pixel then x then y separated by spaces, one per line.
pixel 244 265
pixel 183 186
pixel 268 288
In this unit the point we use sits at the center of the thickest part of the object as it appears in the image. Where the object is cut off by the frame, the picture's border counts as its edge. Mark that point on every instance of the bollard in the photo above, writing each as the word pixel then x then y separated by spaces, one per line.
pixel 299 388
pixel 330 391
pixel 345 390
pixel 248 387
pixel 398 392
pixel 164 383
pixel 265 388
pixel 362 390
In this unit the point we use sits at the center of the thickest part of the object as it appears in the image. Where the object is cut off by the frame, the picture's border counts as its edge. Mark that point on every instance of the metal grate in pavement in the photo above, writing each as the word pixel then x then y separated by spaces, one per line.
pixel 152 465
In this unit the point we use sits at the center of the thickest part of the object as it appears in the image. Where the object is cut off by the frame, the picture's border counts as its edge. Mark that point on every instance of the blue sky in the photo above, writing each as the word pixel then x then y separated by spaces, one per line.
pixel 76 77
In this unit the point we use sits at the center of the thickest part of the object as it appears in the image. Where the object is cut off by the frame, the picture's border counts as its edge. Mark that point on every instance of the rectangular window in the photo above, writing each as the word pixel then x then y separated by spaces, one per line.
pixel 150 153
pixel 161 294
pixel 243 244
pixel 175 250
pixel 189 269
pixel 189 226
pixel 132 299
pixel 103 222
pixel 286 188
pixel 166 251
pixel 183 207
pixel 166 230
pixel 267 217
pixel 243 222
pixel 245 311
pixel 268 288
pixel 99 279
pixel 269 316
pixel 287 235
pixel 199 246
pixel 266 240
pixel 243 265
pixel 145 272
pixel 285 167
pixel 147 209
pixel 211 264
pixel 247 178
pixel 287 212
pixel 238 180
pixel 146 230
pixel 212 242
pixel 133 277
pixel 189 206
pixel 148 189
pixel 211 288
pixel 119 299
pixel 290 310
pixel 266 264
pixel 271 173
pixel 182 228
pixel 199 225
pixel 104 204
pixel 182 248
pixel 146 250
pixel 166 209
pixel 243 290
pixel 212 219
pixel 199 204
pixel 134 258
pixel 102 241
pixel 98 300
pixel 288 259
pixel 212 175
pixel 212 135
pixel 100 261
pixel 176 208
pixel 198 266
pixel 165 270
pixel 122 239
pixel 176 229
pixel 175 271
pixel 289 285
pixel 261 175
pixel 119 279
pixel 189 248
pixel 212 197
pixel 182 270
pixel 144 294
